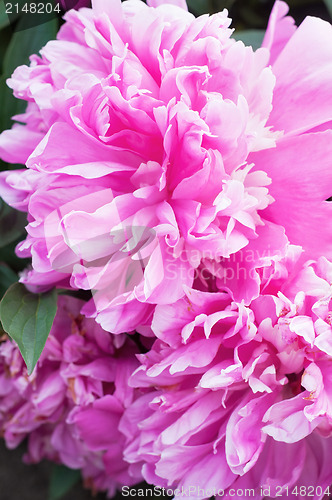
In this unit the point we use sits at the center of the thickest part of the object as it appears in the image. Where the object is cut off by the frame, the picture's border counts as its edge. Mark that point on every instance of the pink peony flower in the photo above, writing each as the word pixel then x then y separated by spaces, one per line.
pixel 239 397
pixel 158 148
pixel 71 405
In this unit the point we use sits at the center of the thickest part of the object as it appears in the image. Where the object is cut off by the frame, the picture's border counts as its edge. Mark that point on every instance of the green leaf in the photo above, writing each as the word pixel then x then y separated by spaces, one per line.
pixel 62 480
pixel 5 19
pixel 9 105
pixel 12 224
pixel 28 319
pixel 198 7
pixel 7 278
pixel 250 37
pixel 5 36
pixel 328 4
pixel 27 41
pixel 7 255
pixel 24 42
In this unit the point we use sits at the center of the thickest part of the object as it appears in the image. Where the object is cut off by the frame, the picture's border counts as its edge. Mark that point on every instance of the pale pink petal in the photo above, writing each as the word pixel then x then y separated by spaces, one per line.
pixel 279 30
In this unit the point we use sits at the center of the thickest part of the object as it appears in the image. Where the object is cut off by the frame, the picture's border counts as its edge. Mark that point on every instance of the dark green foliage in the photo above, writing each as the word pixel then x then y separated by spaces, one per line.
pixel 62 481
pixel 27 318
pixel 7 278
pixel 12 224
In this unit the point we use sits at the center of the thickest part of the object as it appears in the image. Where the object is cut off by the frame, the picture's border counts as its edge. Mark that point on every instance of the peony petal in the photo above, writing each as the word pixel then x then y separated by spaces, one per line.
pixel 300 194
pixel 302 99
pixel 279 30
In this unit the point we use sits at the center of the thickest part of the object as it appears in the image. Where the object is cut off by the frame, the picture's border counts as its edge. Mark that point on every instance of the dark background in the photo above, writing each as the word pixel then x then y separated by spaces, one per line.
pixel 253 14
pixel 17 480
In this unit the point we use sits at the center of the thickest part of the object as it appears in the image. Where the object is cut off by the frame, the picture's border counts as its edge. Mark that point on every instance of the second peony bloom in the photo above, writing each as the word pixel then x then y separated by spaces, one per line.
pixel 161 153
